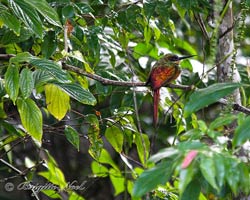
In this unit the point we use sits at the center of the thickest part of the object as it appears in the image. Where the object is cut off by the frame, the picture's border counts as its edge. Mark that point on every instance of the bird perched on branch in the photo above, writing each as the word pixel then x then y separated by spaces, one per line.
pixel 164 71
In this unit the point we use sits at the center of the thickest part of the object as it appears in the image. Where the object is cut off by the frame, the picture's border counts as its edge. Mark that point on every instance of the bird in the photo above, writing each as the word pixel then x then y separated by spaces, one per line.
pixel 164 71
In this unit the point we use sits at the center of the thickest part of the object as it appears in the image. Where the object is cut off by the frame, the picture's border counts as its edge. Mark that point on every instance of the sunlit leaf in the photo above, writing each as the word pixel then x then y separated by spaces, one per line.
pixel 115 137
pixel 105 158
pixel 99 169
pixel 117 180
pixel 57 101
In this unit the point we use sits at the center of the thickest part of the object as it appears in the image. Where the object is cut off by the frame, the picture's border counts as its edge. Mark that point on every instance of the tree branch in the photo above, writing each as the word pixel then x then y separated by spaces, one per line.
pixel 106 81
pixel 236 107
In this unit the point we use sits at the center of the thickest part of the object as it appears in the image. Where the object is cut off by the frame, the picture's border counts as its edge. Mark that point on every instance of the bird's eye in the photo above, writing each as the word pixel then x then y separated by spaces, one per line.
pixel 174 58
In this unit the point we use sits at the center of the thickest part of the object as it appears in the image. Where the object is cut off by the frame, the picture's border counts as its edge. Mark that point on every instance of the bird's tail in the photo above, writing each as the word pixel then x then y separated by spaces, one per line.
pixel 156 105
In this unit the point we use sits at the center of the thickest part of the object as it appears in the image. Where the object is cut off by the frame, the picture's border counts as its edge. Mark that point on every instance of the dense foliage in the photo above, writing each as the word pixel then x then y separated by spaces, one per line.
pixel 74 109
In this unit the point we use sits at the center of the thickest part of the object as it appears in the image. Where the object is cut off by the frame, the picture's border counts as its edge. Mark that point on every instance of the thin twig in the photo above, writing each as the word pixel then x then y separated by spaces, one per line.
pixel 20 173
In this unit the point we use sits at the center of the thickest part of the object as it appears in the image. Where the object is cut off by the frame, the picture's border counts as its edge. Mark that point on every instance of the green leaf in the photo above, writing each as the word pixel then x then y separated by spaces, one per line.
pixel 54 174
pixel 9 20
pixel 78 93
pixel 207 168
pixel 153 177
pixel 96 143
pixel 186 176
pixel 10 38
pixel 57 101
pixel 12 82
pixel 31 117
pixel 21 57
pixel 105 158
pixel 74 196
pixel 149 8
pixel 49 44
pixel 26 82
pixel 143 146
pixel 222 121
pixel 163 153
pixel 232 174
pixel 147 34
pixel 192 191
pixel 72 136
pixel 219 163
pixel 115 137
pixel 52 68
pixel 51 193
pixel 117 181
pixel 242 132
pixel 99 169
pixel 41 78
pixel 207 96
pixel 45 10
pixel 28 15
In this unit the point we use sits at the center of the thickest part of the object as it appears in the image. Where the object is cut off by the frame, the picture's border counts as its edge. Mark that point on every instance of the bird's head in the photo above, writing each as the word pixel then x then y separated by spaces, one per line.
pixel 172 58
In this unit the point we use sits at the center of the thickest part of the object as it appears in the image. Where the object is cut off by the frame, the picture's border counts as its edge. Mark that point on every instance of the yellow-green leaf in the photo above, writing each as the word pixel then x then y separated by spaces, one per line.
pixel 57 101
pixel 31 117
pixel 115 137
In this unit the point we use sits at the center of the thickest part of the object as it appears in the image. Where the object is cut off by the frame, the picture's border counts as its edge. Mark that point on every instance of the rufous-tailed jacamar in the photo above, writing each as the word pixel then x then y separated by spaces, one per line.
pixel 164 71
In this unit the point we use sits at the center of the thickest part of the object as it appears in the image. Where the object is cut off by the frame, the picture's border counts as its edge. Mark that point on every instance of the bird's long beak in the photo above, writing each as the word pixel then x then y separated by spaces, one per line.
pixel 184 57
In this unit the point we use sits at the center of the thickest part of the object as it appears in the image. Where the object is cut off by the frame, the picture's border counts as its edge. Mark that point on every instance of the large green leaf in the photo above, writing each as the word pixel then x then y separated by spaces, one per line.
pixel 150 178
pixel 186 176
pixel 57 101
pixel 52 68
pixel 9 20
pixel 117 181
pixel 31 117
pixel 99 169
pixel 12 82
pixel 208 170
pixel 209 95
pixel 115 137
pixel 45 10
pixel 78 93
pixel 242 132
pixel 28 15
pixel 21 57
pixel 26 82
pixel 192 191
